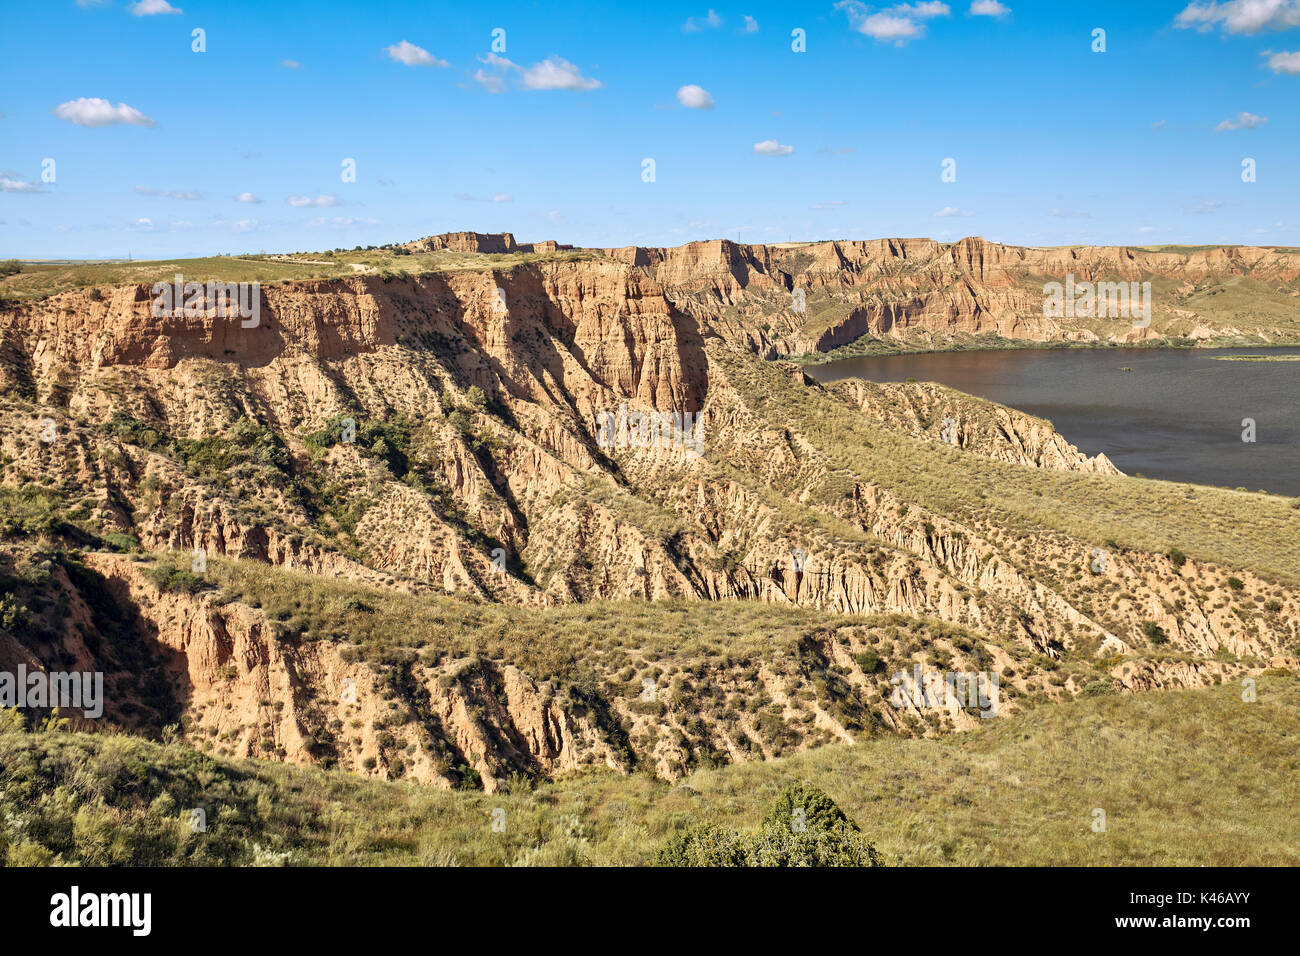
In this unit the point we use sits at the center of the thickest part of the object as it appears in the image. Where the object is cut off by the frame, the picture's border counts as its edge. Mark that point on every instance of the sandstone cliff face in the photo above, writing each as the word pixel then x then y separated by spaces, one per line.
pixel 922 291
pixel 243 683
pixel 575 339
pixel 480 467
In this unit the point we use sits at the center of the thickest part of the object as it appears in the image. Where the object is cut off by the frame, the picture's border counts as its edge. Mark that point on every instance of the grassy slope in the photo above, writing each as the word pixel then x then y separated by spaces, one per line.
pixel 1187 777
pixel 38 281
pixel 1247 530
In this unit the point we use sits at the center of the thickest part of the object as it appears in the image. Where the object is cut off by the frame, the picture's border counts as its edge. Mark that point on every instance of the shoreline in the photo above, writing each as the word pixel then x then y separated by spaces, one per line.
pixel 806 359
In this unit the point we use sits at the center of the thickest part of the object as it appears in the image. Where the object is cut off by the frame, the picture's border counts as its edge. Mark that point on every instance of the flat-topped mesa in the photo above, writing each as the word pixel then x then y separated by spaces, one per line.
pixel 496 242
pixel 491 242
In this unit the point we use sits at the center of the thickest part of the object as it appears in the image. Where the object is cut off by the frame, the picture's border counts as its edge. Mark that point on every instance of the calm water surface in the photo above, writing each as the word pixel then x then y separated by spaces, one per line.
pixel 1177 415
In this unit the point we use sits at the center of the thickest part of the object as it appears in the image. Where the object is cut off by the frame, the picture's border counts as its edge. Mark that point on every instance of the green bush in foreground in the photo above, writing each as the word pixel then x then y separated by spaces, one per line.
pixel 805 827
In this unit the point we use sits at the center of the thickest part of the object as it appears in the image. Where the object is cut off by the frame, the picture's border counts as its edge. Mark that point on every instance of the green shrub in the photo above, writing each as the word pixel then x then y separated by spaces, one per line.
pixel 134 432
pixel 31 511
pixel 1154 633
pixel 869 661
pixel 166 577
pixel 804 828
pixel 15 619
pixel 123 543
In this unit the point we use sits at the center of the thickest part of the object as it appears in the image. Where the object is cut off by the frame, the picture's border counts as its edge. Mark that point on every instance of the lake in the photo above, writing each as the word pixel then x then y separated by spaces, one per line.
pixel 1176 415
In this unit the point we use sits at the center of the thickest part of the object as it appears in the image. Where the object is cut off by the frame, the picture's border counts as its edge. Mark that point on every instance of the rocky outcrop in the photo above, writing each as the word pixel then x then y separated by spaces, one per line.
pixel 492 243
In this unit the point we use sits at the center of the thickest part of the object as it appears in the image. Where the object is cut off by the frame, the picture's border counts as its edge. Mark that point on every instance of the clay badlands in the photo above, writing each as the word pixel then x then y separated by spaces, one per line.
pixel 380 533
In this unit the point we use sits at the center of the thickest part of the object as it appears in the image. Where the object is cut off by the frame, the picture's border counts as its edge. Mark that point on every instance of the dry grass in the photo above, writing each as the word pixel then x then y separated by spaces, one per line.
pixel 37 281
pixel 1185 778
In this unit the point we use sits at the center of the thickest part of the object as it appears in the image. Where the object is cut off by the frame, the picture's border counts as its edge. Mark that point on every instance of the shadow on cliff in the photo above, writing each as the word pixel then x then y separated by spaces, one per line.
pixel 77 621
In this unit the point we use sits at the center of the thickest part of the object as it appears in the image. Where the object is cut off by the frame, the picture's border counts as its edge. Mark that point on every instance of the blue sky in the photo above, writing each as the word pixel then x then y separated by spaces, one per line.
pixel 1054 143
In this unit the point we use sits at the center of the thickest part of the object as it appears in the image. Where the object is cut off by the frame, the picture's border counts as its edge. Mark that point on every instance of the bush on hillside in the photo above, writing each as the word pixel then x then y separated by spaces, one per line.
pixel 804 827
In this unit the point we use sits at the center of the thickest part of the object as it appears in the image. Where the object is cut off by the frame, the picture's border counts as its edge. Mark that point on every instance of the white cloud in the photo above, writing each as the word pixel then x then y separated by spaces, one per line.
pixel 695 97
pixel 343 221
pixel 291 64
pixel 695 24
pixel 1240 16
pixel 1159 124
pixel 168 193
pixel 770 147
pixel 948 212
pixel 8 185
pixel 149 8
pixel 553 73
pixel 1241 121
pixel 495 82
pixel 897 24
pixel 240 225
pixel 503 197
pixel 1205 208
pixel 412 55
pixel 1146 229
pixel 299 202
pixel 496 197
pixel 247 197
pixel 1283 62
pixel 751 25
pixel 988 8
pixel 557 73
pixel 828 205
pixel 96 112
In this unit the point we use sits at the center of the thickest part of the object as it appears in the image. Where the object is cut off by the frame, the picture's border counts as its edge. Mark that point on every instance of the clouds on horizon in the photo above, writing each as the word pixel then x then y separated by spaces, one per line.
pixel 168 193
pixel 303 202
